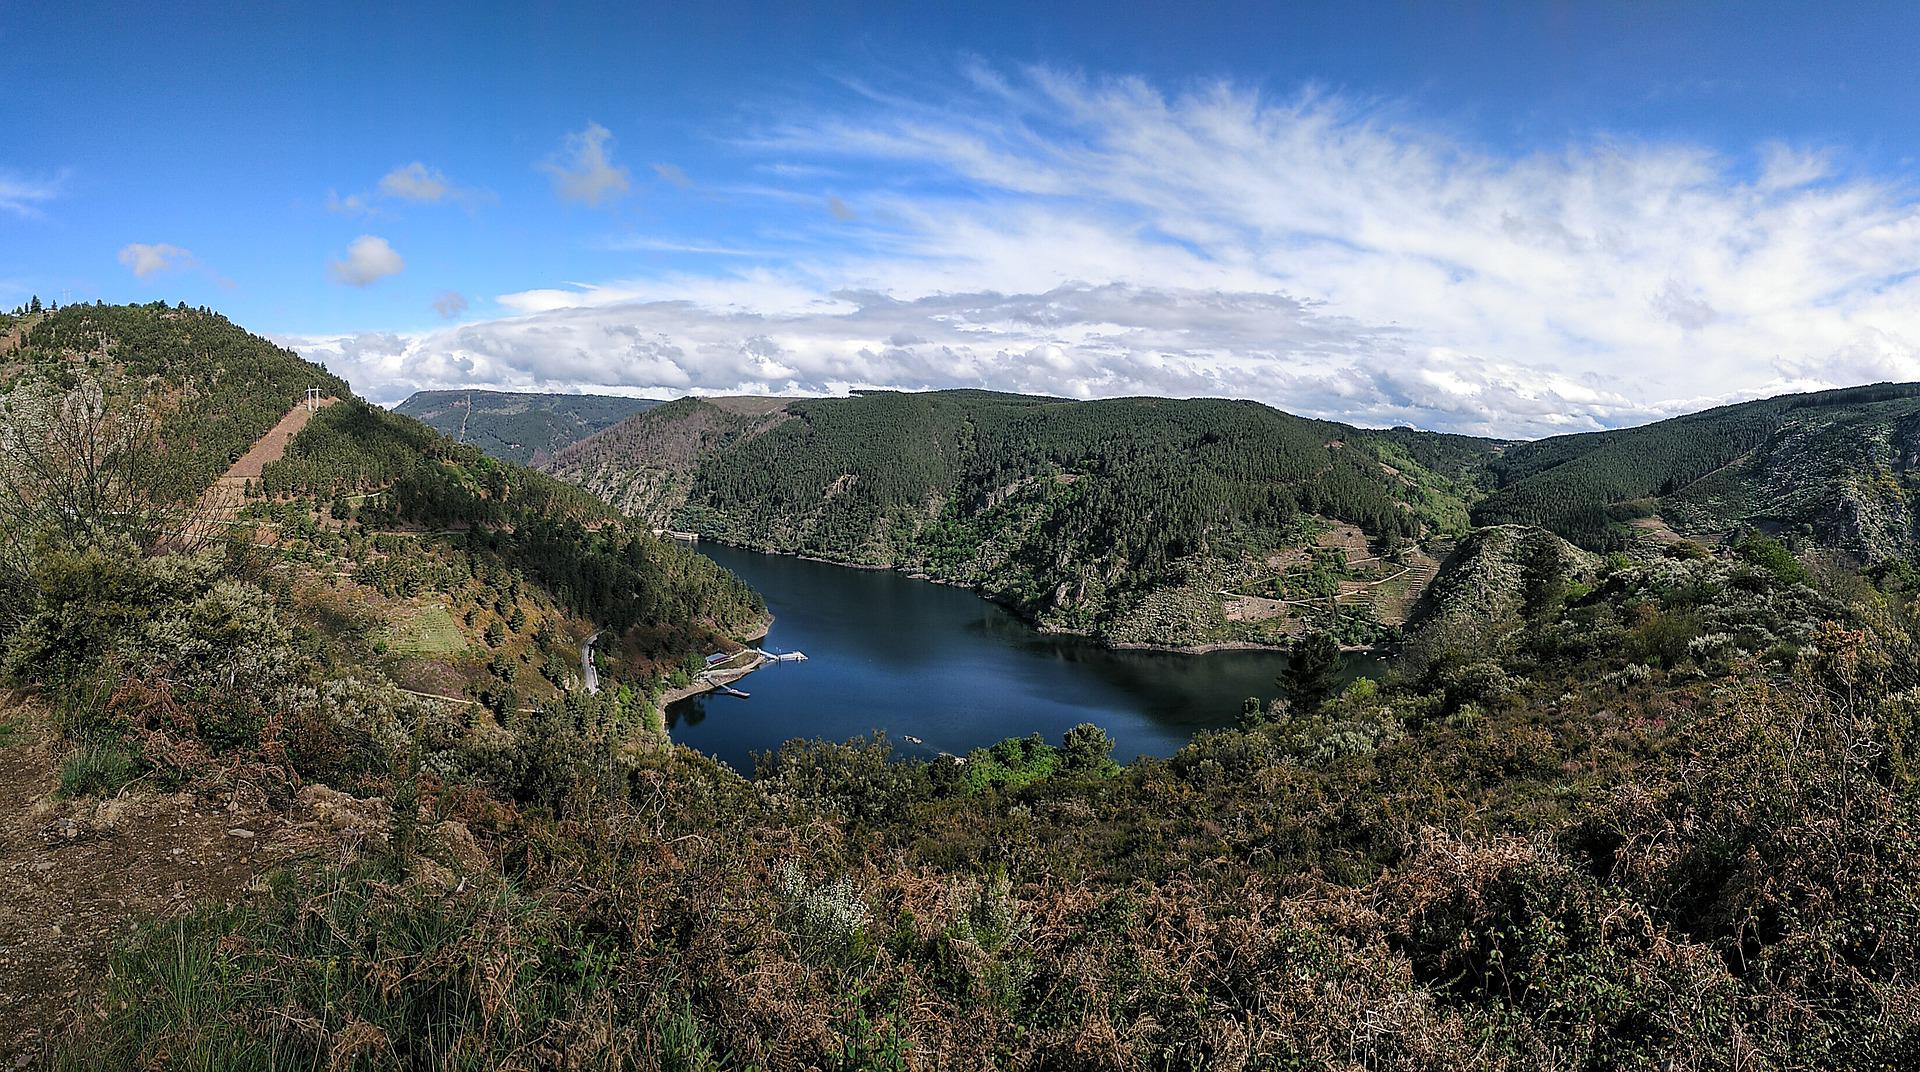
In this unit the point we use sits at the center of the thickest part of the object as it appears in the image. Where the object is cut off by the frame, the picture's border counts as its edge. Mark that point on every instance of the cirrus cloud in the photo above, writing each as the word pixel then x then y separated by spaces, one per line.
pixel 23 196
pixel 1041 231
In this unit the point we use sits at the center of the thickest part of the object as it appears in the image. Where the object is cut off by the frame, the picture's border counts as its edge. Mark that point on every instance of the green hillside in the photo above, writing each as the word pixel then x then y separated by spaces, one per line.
pixel 1126 518
pixel 516 426
pixel 1831 468
pixel 211 388
pixel 376 530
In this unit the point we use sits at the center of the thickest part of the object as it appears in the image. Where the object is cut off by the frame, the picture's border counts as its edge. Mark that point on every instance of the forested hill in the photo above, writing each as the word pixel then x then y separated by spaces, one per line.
pixel 1834 468
pixel 442 569
pixel 1137 519
pixel 519 426
pixel 211 387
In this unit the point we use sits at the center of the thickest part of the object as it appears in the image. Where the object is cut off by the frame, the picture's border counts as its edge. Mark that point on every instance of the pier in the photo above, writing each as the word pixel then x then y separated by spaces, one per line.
pixel 723 669
pixel 782 657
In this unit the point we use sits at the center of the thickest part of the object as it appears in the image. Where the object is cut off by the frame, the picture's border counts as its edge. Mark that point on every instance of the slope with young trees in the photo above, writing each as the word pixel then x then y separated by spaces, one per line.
pixel 458 570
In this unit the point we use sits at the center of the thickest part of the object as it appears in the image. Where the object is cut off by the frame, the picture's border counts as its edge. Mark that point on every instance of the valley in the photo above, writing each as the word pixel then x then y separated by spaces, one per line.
pixel 1187 524
pixel 1004 537
pixel 340 693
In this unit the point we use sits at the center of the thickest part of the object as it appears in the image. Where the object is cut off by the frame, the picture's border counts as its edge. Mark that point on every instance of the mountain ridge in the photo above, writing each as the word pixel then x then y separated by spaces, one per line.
pixel 519 426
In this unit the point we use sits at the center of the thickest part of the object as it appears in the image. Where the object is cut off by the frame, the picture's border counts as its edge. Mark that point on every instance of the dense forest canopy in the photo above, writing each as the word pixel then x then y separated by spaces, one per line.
pixel 1585 486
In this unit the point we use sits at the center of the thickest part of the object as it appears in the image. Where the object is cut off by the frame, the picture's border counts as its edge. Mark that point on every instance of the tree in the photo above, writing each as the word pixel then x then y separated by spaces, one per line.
pixel 75 467
pixel 1086 749
pixel 1313 671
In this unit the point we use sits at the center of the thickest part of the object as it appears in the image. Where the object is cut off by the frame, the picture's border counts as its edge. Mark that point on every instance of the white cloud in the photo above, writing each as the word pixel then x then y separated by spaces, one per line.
pixel 145 259
pixel 674 174
pixel 584 170
pixel 450 304
pixel 415 182
pixel 1046 232
pixel 350 205
pixel 840 210
pixel 368 258
pixel 23 196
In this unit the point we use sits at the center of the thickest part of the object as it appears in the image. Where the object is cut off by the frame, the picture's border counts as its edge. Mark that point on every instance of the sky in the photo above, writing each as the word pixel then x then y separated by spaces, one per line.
pixel 1505 219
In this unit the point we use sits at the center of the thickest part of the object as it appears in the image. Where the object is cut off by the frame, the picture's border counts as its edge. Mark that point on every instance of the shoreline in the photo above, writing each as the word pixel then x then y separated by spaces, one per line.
pixel 710 681
pixel 1112 645
pixel 713 679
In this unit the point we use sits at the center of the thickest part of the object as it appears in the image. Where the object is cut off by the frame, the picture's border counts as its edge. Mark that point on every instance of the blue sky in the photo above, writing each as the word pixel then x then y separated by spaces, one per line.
pixel 1516 219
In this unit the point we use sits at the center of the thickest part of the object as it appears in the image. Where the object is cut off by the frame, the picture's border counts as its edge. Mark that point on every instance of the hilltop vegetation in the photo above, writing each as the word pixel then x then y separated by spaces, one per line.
pixel 1074 513
pixel 518 426
pixel 209 387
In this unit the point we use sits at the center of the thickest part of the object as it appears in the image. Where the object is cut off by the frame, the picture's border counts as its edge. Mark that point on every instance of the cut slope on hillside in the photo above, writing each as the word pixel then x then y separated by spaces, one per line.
pixel 381 522
pixel 212 388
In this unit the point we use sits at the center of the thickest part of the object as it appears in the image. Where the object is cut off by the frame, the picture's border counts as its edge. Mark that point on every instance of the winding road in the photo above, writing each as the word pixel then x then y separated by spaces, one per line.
pixel 588 672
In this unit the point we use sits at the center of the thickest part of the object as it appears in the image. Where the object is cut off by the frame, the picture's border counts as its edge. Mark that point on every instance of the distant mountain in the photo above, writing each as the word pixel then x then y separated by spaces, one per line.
pixel 1182 522
pixel 516 426
pixel 1838 469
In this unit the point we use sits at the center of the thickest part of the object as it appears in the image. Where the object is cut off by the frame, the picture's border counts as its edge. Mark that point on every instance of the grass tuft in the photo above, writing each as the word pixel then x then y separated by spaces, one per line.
pixel 97 770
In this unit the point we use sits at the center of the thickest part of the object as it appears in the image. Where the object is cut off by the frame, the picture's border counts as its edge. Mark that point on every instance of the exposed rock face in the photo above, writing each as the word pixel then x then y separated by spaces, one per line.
pixel 645 467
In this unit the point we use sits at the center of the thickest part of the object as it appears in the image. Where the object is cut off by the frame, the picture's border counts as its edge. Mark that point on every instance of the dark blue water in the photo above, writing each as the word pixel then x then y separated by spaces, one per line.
pixel 939 663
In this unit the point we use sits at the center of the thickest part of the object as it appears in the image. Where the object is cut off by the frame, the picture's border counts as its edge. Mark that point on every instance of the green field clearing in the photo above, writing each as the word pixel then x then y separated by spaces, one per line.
pixel 426 631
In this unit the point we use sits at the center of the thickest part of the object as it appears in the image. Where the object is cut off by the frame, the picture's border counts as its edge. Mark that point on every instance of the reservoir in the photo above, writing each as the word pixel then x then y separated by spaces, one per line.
pixel 912 658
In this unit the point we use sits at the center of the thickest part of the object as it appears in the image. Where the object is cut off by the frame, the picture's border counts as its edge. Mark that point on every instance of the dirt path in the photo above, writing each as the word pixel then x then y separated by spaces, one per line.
pixel 75 877
pixel 78 876
pixel 228 490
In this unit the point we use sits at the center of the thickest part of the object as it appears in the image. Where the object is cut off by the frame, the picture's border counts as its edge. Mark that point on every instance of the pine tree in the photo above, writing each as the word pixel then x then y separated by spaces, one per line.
pixel 1313 671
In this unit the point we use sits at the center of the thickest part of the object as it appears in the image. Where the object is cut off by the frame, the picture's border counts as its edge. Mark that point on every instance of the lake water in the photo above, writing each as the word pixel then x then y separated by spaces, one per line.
pixel 939 663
